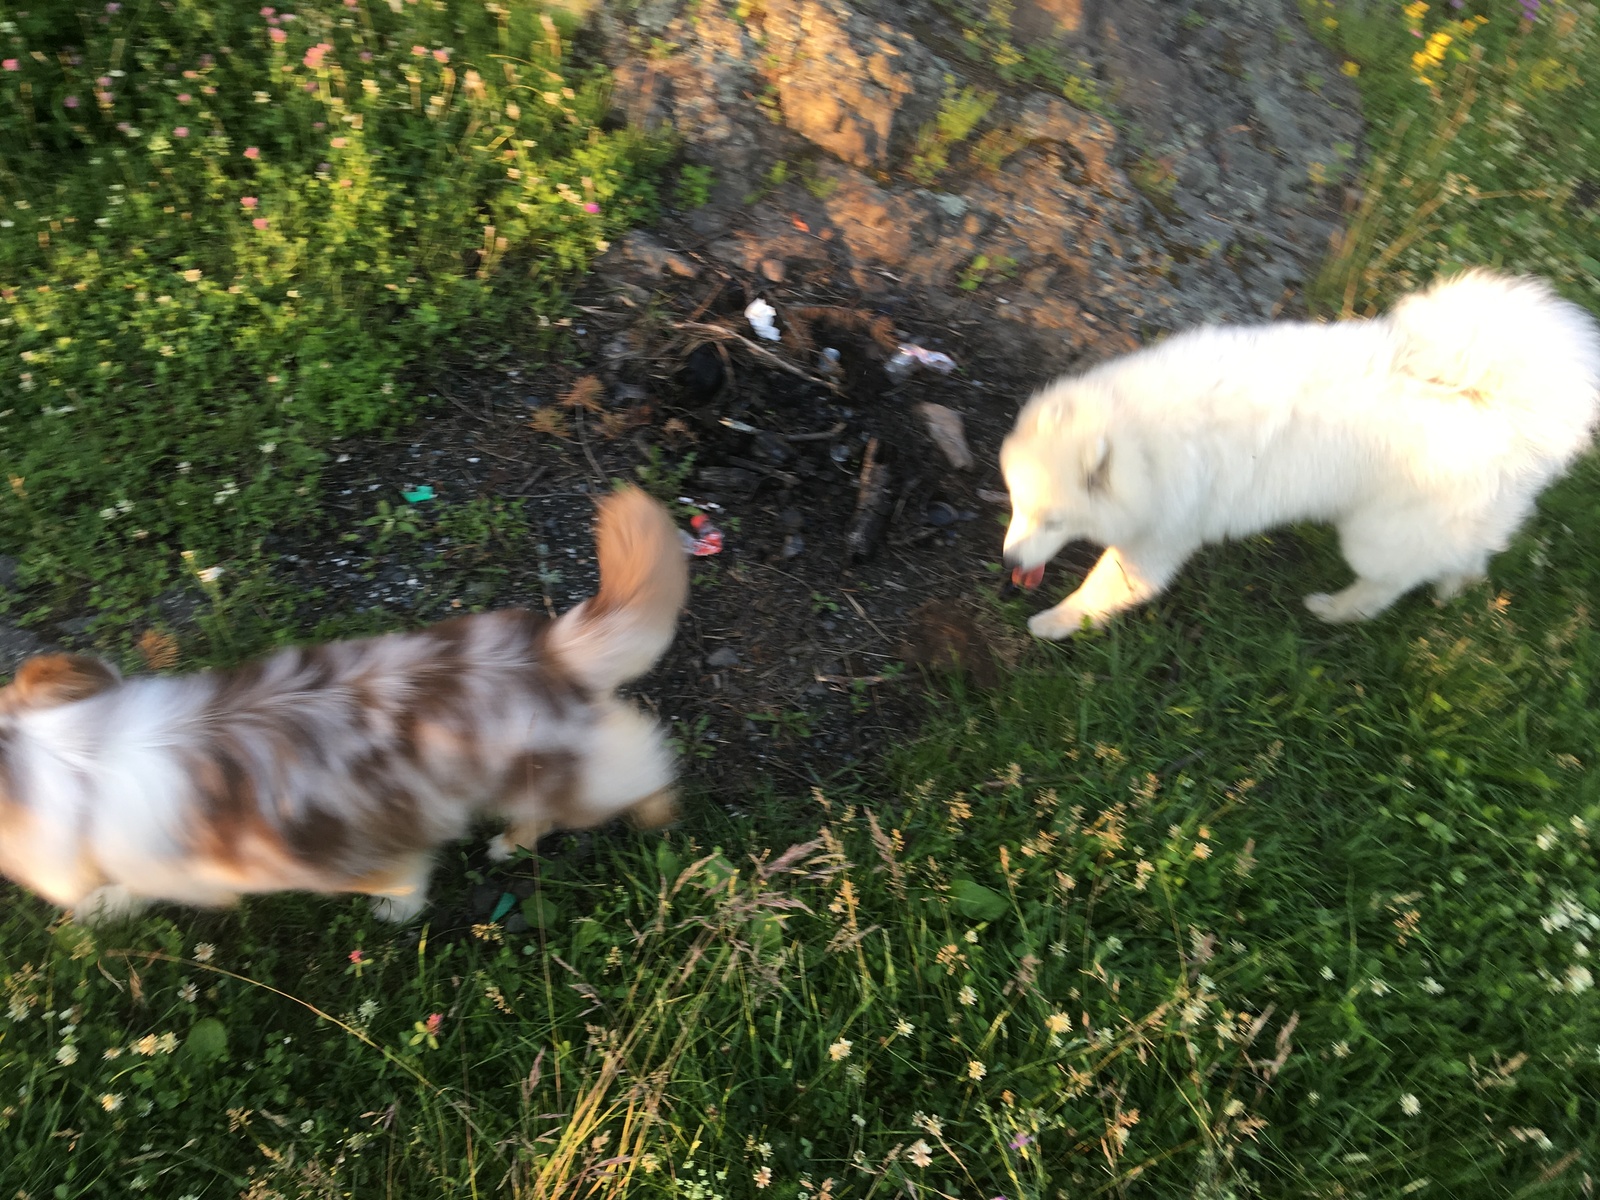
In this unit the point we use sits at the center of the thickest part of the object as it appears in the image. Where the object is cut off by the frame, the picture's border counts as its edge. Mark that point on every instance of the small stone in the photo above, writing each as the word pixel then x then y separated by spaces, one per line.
pixel 793 546
pixel 723 656
pixel 772 270
pixel 946 429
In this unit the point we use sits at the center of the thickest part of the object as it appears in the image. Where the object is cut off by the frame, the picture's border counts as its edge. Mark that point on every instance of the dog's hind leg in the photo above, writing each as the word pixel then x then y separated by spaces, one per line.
pixel 1447 587
pixel 1391 552
pixel 1124 577
pixel 400 892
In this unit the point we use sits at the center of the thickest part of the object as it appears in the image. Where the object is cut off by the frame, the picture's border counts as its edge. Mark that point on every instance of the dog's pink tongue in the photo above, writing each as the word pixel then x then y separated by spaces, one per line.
pixel 1027 579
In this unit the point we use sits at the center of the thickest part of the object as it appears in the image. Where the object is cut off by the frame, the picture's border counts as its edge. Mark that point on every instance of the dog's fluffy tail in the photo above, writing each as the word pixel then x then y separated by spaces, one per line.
pixel 617 635
pixel 1506 342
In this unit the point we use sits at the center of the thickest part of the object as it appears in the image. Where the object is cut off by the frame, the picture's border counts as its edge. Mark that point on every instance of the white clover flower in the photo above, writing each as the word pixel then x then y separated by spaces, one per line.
pixel 1410 1105
pixel 967 996
pixel 920 1153
pixel 111 1101
pixel 1432 986
pixel 204 951
pixel 67 1054
pixel 840 1049
pixel 904 1028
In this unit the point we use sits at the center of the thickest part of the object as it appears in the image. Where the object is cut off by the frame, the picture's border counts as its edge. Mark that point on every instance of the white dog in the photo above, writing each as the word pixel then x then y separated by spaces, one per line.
pixel 1424 436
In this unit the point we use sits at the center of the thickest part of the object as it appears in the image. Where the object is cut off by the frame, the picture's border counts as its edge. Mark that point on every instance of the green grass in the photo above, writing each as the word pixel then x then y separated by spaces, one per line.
pixel 1198 907
pixel 1222 903
pixel 232 235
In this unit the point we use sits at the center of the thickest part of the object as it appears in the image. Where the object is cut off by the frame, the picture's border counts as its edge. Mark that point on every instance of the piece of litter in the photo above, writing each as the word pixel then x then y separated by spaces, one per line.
pixel 706 539
pixel 418 494
pixel 507 902
pixel 945 427
pixel 1027 579
pixel 828 363
pixel 739 426
pixel 911 355
pixel 760 314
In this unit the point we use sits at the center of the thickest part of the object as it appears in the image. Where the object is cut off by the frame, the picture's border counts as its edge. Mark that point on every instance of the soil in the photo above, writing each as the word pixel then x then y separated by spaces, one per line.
pixel 809 640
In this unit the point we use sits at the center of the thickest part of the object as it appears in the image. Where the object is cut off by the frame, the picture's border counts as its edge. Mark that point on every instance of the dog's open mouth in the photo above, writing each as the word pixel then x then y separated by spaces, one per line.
pixel 1027 579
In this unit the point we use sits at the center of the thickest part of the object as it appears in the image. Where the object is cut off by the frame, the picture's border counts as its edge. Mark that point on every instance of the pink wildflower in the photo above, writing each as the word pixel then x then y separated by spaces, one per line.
pixel 248 201
pixel 314 56
pixel 420 51
pixel 278 36
pixel 252 151
pixel 366 56
pixel 591 207
pixel 113 8
pixel 340 143
pixel 182 131
pixel 357 956
pixel 11 64
pixel 344 183
pixel 441 56
pixel 71 102
pixel 260 222
pixel 434 1021
pixel 104 81
pixel 184 97
pixel 268 12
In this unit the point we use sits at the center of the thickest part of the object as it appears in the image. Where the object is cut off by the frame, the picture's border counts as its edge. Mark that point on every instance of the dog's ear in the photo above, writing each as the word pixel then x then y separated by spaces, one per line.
pixel 1097 464
pixel 47 680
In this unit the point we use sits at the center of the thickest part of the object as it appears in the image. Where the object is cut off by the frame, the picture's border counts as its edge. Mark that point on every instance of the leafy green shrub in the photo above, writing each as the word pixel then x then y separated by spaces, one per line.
pixel 1485 143
pixel 231 233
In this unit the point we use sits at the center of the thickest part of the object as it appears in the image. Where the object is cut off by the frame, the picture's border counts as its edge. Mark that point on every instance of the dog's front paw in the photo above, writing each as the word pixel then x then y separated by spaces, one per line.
pixel 108 905
pixel 1060 622
pixel 1332 609
pixel 397 910
pixel 501 848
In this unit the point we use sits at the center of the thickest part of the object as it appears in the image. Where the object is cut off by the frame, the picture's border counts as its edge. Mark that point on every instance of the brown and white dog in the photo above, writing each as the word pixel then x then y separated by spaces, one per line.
pixel 342 767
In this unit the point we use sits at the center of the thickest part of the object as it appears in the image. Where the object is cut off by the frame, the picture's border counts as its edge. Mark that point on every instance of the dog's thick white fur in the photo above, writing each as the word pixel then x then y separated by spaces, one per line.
pixel 1425 436
pixel 342 767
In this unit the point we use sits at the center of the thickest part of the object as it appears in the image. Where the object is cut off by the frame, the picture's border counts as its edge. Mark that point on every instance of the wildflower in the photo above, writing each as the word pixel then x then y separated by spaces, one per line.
pixel 976 1070
pixel 967 996
pixel 420 51
pixel 1058 1022
pixel 112 1053
pixel 591 207
pixel 208 575
pixel 278 35
pixel 1547 838
pixel 184 97
pixel 167 1043
pixel 441 56
pixel 366 1010
pixel 1351 69
pixel 340 143
pixel 111 1101
pixel 920 1153
pixel 763 1177
pixel 252 152
pixel 313 57
pixel 1579 979
pixel 113 8
pixel 145 1045
pixel 1379 987
pixel 1326 972
pixel 1432 986
pixel 188 993
pixel 1410 1105
pixel 11 64
pixel 904 1028
pixel 71 102
pixel 1341 1049
pixel 1202 851
pixel 67 1054
pixel 972 934
pixel 203 952
pixel 182 131
pixel 268 12
pixel 840 1049
pixel 260 222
